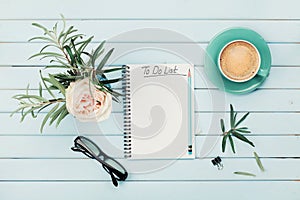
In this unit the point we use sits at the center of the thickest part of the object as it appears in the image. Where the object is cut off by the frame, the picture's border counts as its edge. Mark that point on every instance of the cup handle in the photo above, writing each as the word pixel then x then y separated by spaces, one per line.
pixel 263 72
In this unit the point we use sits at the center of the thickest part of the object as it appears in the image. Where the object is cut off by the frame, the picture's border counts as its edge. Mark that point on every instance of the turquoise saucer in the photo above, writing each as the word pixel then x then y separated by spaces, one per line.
pixel 211 60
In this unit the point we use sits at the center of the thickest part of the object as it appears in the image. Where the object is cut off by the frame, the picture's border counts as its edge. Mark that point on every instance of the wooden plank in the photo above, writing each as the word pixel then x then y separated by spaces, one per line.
pixel 288 77
pixel 192 190
pixel 69 126
pixel 198 170
pixel 266 146
pixel 105 29
pixel 260 124
pixel 258 101
pixel 47 147
pixel 206 146
pixel 167 9
pixel 209 101
pixel 31 76
pixel 13 104
pixel 18 53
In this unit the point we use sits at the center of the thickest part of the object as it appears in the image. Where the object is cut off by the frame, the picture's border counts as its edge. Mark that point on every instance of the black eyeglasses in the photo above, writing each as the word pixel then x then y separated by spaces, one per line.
pixel 91 150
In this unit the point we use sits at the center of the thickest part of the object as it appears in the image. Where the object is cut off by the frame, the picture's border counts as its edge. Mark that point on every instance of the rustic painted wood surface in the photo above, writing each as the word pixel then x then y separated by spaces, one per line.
pixel 41 166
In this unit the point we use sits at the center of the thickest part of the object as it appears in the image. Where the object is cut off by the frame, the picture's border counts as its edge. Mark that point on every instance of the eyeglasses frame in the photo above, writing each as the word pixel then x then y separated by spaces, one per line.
pixel 80 146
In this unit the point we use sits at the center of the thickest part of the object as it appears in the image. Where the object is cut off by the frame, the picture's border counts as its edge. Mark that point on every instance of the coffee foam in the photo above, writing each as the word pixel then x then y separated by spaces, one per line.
pixel 239 61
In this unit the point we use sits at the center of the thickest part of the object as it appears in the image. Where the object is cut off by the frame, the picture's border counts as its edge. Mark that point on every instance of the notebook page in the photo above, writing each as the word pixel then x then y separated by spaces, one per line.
pixel 160 111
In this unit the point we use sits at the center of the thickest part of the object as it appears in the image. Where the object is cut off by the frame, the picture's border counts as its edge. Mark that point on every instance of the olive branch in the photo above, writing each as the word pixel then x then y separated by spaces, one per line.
pixel 67 50
pixel 235 130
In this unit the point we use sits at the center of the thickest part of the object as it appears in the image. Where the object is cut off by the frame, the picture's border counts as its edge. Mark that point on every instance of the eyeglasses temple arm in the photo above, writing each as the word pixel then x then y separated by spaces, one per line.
pixel 113 178
pixel 76 149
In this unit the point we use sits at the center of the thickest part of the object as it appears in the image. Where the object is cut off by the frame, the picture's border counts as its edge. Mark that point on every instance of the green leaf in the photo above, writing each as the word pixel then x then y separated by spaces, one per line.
pixel 97 53
pixel 242 130
pixel 111 81
pixel 63 114
pixel 44 83
pixel 33 115
pixel 42 108
pixel 77 54
pixel 243 138
pixel 64 22
pixel 104 60
pixel 46 54
pixel 55 29
pixel 40 90
pixel 231 143
pixel 47 117
pixel 114 94
pixel 245 174
pixel 43 28
pixel 231 116
pixel 59 62
pixel 95 57
pixel 69 31
pixel 55 115
pixel 73 37
pixel 57 84
pixel 224 142
pixel 112 91
pixel 242 119
pixel 111 70
pixel 29 97
pixel 40 26
pixel 260 165
pixel 84 44
pixel 32 99
pixel 234 118
pixel 115 98
pixel 49 56
pixel 62 33
pixel 66 77
pixel 59 66
pixel 15 111
pixel 71 56
pixel 222 125
pixel 42 38
pixel 49 45
pixel 26 113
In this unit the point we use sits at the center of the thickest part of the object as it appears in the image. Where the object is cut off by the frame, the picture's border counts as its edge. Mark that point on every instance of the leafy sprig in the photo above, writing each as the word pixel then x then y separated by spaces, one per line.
pixel 30 104
pixel 235 130
pixel 66 50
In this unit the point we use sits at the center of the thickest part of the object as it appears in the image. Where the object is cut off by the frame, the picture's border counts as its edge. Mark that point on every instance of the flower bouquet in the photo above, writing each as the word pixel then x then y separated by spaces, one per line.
pixel 80 87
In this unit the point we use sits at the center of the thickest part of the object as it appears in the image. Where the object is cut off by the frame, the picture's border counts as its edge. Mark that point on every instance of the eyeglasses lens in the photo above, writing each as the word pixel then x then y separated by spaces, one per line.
pixel 115 165
pixel 91 146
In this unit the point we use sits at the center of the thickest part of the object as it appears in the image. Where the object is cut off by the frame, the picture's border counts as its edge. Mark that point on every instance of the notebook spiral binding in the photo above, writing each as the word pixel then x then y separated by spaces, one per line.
pixel 127 111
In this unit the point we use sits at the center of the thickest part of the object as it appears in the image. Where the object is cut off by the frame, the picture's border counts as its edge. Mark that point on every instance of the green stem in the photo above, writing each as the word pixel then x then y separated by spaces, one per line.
pixel 44 103
pixel 65 54
pixel 62 49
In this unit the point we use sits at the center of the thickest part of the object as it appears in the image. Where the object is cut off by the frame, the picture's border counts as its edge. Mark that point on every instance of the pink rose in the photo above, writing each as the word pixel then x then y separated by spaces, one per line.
pixel 85 102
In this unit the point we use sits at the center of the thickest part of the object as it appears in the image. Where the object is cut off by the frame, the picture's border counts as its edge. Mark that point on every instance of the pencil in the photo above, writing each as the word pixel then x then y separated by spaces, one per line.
pixel 190 147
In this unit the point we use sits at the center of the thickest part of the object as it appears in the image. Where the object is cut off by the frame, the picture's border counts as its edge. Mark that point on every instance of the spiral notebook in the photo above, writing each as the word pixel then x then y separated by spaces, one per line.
pixel 158 111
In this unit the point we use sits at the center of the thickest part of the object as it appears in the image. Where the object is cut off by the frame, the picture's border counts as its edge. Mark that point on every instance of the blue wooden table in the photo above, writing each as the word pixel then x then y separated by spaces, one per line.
pixel 41 166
